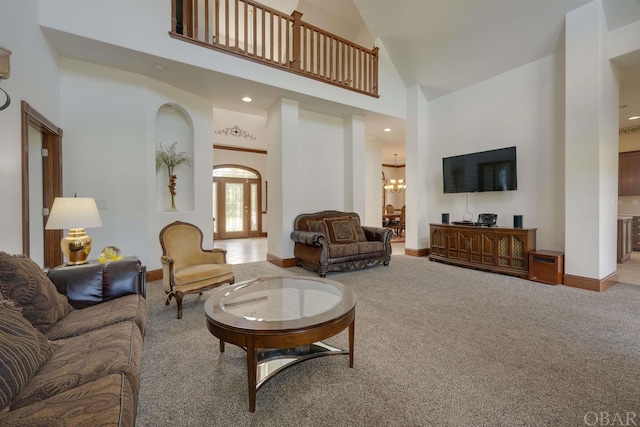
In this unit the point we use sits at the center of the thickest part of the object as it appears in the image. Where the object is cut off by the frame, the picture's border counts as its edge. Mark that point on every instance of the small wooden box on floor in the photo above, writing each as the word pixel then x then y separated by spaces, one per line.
pixel 546 267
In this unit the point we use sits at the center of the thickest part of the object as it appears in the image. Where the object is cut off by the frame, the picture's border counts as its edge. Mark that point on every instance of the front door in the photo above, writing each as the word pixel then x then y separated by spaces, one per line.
pixel 236 203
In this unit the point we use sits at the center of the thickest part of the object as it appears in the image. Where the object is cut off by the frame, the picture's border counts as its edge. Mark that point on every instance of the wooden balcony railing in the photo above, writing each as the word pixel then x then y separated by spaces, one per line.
pixel 262 34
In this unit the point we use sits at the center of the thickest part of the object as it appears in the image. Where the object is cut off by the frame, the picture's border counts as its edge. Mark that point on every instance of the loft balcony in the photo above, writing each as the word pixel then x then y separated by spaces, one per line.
pixel 261 34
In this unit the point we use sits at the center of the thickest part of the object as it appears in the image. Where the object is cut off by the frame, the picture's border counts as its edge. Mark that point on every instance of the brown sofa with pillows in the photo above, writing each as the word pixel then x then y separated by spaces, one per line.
pixel 65 366
pixel 336 241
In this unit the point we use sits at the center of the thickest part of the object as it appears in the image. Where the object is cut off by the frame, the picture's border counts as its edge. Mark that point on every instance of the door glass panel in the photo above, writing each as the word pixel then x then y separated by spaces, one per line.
pixel 234 173
pixel 234 201
pixel 254 207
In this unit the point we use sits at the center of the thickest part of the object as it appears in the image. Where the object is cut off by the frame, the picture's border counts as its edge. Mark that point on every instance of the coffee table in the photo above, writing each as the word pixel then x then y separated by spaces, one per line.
pixel 281 321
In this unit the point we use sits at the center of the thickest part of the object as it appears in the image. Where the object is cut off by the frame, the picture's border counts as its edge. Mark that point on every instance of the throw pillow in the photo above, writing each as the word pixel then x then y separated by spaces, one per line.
pixel 340 230
pixel 317 226
pixel 23 350
pixel 22 281
pixel 359 231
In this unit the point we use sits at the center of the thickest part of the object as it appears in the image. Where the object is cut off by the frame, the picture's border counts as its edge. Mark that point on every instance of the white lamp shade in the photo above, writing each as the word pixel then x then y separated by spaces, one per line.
pixel 73 212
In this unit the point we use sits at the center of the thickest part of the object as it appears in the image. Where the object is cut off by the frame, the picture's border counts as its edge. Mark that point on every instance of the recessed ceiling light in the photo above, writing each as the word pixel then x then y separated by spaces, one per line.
pixel 387 129
pixel 247 99
pixel 634 117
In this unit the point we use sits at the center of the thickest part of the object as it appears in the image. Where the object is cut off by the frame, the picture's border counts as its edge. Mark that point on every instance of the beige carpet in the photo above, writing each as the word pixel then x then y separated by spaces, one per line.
pixel 436 345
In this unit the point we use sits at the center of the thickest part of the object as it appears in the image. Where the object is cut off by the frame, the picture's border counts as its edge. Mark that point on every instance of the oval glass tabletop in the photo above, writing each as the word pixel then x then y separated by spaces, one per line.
pixel 279 302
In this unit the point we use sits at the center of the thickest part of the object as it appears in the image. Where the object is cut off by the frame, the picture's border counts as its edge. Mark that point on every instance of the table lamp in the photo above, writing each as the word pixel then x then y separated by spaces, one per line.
pixel 74 214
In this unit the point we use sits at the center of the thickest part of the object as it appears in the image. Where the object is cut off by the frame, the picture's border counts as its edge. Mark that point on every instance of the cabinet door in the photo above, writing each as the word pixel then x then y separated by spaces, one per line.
pixel 452 244
pixel 439 242
pixel 465 241
pixel 635 233
pixel 629 173
pixel 482 249
pixel 511 251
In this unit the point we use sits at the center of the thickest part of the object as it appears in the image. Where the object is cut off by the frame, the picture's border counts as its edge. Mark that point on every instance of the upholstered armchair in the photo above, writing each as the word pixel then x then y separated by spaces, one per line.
pixel 186 267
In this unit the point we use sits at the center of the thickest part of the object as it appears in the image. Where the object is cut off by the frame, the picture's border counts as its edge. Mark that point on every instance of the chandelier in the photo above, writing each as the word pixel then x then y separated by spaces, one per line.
pixel 395 184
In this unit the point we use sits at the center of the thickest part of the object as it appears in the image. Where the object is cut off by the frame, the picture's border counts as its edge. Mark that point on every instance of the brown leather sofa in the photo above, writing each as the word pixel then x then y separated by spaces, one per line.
pixel 336 241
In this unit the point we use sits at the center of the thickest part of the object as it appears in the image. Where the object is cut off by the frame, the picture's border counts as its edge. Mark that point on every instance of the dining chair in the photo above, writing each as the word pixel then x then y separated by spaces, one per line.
pixel 399 225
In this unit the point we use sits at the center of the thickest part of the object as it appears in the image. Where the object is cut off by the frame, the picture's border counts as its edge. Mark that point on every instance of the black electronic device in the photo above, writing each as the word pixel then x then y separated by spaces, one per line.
pixel 465 223
pixel 488 219
pixel 517 221
pixel 493 170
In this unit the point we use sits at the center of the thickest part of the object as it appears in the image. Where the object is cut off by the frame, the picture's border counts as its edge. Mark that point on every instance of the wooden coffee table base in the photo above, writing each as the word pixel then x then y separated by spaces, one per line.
pixel 270 352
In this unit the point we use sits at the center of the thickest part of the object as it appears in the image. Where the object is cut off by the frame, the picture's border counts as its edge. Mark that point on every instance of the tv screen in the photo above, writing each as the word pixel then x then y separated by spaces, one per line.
pixel 493 170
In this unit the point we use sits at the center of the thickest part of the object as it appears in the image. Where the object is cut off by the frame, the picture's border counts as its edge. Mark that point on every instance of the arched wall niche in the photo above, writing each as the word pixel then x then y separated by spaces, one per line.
pixel 174 125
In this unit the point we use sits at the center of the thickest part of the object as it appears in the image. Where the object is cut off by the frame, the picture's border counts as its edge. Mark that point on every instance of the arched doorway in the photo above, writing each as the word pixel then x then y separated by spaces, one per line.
pixel 236 202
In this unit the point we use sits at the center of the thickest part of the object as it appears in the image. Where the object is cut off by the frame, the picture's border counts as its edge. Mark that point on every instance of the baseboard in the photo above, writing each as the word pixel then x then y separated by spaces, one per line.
pixel 591 284
pixel 417 252
pixel 153 275
pixel 280 262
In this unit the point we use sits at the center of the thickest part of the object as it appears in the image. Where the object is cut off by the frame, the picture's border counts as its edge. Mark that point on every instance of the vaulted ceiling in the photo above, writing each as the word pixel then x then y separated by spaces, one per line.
pixel 444 46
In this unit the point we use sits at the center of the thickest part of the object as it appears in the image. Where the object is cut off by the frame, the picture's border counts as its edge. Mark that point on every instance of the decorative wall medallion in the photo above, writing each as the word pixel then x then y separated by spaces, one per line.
pixel 632 129
pixel 235 131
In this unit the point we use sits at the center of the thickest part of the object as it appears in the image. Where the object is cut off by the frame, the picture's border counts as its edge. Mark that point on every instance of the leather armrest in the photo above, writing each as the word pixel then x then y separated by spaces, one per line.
pixel 93 283
pixel 310 238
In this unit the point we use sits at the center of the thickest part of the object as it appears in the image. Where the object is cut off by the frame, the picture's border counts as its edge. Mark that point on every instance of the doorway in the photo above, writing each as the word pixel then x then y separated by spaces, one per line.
pixel 41 184
pixel 236 202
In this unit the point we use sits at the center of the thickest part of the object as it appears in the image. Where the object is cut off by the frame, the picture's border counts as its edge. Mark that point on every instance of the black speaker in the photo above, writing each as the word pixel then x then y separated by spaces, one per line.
pixel 517 221
pixel 445 218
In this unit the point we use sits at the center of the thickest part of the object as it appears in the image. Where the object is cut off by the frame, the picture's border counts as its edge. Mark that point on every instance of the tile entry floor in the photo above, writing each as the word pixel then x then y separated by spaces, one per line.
pixel 240 251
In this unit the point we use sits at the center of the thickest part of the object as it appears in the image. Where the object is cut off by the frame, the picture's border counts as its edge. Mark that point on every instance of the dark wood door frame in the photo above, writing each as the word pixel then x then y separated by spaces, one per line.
pixel 51 180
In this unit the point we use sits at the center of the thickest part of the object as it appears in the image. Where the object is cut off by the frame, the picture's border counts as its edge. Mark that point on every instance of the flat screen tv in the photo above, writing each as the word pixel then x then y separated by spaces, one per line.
pixel 493 170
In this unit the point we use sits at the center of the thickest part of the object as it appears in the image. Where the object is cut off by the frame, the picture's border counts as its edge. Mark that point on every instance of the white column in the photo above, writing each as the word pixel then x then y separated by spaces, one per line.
pixel 416 173
pixel 354 165
pixel 373 183
pixel 591 147
pixel 282 165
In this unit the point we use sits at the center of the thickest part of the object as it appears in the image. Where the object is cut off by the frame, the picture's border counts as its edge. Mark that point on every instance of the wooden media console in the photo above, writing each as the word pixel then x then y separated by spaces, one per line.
pixel 498 249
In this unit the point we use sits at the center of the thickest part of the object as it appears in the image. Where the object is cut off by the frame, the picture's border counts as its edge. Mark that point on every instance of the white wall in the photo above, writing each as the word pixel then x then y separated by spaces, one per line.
pixel 373 183
pixel 109 121
pixel 591 143
pixel 173 126
pixel 321 157
pixel 34 79
pixel 253 125
pixel 522 108
pixel 354 149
